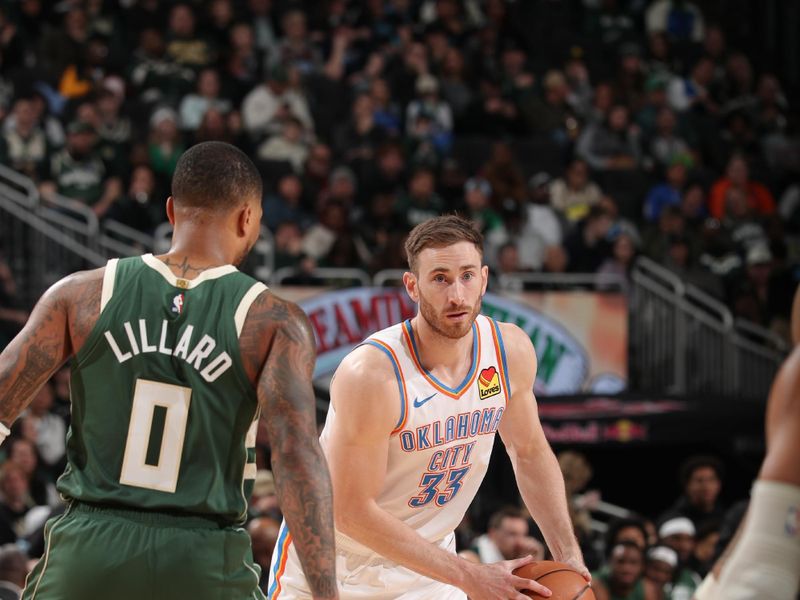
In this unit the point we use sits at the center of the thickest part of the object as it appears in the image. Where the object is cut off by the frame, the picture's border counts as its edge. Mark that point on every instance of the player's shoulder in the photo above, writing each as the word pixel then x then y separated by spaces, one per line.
pixel 515 340
pixel 79 286
pixel 271 312
pixel 519 350
pixel 368 364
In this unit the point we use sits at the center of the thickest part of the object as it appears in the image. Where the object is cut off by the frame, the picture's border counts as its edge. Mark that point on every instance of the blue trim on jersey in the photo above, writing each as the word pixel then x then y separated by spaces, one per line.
pixel 467 379
pixel 276 567
pixel 397 376
pixel 503 357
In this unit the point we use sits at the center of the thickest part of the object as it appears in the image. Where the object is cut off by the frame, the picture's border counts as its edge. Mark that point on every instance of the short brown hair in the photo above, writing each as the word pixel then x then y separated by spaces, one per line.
pixel 439 232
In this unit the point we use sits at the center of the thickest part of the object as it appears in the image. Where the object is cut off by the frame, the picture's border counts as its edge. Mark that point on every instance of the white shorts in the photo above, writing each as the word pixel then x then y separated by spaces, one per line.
pixel 359 577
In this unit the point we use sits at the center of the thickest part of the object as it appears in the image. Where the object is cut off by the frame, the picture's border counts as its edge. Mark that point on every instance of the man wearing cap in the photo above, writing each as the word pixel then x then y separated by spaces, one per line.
pixel 679 534
pixel 77 172
pixel 660 569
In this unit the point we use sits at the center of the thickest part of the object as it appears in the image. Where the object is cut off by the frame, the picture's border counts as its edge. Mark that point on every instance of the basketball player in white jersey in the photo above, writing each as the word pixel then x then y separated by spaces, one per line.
pixel 763 559
pixel 409 433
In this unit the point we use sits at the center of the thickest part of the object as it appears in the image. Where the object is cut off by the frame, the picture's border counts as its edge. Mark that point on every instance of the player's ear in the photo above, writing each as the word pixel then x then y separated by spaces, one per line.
pixel 485 275
pixel 244 218
pixel 410 282
pixel 171 211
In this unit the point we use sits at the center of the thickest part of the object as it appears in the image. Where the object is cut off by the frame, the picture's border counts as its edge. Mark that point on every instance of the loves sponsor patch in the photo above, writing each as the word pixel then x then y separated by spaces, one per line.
pixel 488 383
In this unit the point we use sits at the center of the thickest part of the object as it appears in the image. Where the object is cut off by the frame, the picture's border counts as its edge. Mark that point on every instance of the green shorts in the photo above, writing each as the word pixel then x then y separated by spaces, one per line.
pixel 103 553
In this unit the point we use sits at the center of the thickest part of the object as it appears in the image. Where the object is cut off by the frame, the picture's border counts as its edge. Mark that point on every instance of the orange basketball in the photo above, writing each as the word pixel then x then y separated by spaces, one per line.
pixel 561 579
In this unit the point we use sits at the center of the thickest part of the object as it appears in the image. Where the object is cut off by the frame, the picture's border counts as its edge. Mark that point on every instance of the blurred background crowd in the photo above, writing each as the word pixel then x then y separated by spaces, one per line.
pixel 577 135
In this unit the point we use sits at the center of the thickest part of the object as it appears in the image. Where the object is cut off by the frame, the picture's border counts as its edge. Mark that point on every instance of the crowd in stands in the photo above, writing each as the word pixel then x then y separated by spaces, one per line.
pixel 578 135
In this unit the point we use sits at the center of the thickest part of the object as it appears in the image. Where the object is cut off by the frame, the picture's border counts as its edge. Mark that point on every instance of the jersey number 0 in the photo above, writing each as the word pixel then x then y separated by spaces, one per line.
pixel 161 474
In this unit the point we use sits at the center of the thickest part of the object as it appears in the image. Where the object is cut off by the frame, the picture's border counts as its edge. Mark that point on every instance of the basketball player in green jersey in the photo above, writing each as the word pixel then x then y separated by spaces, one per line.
pixel 174 357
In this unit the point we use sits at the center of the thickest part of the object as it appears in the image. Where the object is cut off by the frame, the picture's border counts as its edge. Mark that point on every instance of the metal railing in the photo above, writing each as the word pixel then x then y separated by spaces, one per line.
pixel 683 341
pixel 45 240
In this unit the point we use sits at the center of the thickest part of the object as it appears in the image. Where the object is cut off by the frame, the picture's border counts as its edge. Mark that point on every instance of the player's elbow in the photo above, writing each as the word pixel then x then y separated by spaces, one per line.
pixel 349 516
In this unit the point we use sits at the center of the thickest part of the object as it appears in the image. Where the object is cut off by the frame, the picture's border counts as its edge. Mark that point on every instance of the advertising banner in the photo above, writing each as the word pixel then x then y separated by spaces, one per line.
pixel 580 337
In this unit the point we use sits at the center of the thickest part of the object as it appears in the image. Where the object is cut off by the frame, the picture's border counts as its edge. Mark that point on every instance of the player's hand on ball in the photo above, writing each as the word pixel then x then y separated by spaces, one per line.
pixel 577 564
pixel 497 582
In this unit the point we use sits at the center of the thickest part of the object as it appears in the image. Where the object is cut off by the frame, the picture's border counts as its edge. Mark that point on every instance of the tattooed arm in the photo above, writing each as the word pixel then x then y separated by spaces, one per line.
pixel 287 403
pixel 56 328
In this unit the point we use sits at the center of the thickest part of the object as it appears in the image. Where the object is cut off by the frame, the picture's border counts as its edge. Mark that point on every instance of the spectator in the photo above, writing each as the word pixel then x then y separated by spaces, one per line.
pixel 243 64
pixel 23 453
pixel 692 92
pixel 184 47
pixel 507 538
pixel 319 241
pixel 704 554
pixel 701 479
pixel 288 241
pixel 455 90
pixel 678 533
pixel 386 174
pixel 666 144
pixel 477 195
pixel 540 230
pixel 15 501
pixel 24 147
pixel 266 107
pixel 50 430
pixel 359 138
pixel 114 127
pixel 386 112
pixel 13 572
pixel 693 206
pixel 740 223
pixel 429 121
pixel 681 20
pixel 207 97
pixel 587 246
pixel 660 566
pixel 670 192
pixel 295 48
pixel 156 79
pixel 77 172
pixel 620 263
pixel 285 205
pixel 623 579
pixel 629 84
pixel 737 176
pixel 681 261
pixel 220 127
pixel 316 174
pixel 290 146
pixel 574 194
pixel 552 115
pixel 421 202
pixel 165 144
pixel 266 39
pixel 626 530
pixel 143 206
pixel 504 175
pixel 613 145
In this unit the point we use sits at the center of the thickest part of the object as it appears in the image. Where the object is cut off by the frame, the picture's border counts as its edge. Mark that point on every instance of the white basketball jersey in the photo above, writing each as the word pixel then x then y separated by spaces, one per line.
pixel 440 448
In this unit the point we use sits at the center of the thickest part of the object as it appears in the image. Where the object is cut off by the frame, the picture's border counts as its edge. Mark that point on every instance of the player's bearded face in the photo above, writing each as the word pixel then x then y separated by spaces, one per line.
pixel 450 301
pixel 449 321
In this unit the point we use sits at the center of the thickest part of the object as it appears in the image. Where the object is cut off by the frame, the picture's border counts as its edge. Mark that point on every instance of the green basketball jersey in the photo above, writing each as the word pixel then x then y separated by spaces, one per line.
pixel 163 413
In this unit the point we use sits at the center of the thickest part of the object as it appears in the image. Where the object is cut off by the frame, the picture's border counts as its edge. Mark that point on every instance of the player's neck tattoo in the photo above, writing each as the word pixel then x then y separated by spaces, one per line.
pixel 185 268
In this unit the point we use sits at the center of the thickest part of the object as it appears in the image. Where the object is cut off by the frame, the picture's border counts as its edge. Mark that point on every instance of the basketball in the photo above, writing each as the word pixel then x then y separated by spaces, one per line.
pixel 560 578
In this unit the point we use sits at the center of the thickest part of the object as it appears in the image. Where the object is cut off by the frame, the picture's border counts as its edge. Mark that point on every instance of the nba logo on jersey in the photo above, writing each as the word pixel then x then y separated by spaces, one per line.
pixel 488 383
pixel 177 303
